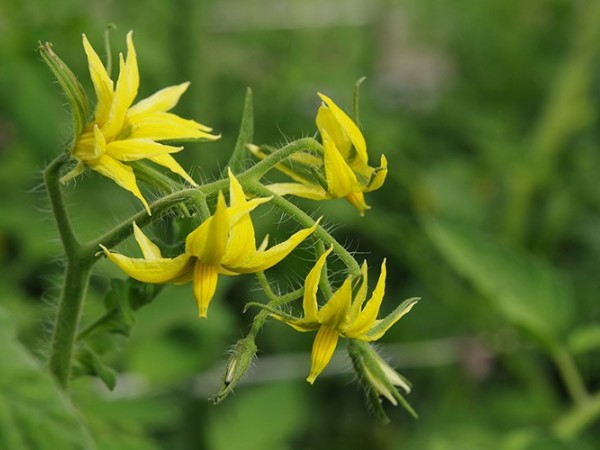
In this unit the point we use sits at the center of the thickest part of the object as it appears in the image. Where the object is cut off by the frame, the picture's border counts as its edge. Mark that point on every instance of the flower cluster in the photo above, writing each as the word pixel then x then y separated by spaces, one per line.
pixel 120 133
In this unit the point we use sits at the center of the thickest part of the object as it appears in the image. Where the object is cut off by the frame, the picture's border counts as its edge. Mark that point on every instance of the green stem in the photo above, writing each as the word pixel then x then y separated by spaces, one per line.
pixel 580 417
pixel 570 374
pixel 305 220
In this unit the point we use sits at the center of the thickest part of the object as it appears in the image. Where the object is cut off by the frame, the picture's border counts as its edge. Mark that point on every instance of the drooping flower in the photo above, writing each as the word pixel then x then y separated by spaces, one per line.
pixel 121 132
pixel 223 244
pixel 345 162
pixel 342 315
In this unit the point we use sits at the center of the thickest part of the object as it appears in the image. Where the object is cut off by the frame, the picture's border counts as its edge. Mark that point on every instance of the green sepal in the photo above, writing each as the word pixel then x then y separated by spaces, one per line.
pixel 355 100
pixel 245 136
pixel 78 100
pixel 394 316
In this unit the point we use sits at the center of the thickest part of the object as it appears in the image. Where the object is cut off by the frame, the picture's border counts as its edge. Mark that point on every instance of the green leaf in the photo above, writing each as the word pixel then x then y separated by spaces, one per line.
pixel 245 136
pixel 90 363
pixel 34 412
pixel 524 289
pixel 584 339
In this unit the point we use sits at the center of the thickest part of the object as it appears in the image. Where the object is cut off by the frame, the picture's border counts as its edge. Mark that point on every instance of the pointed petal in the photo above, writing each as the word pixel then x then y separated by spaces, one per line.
pixel 242 243
pixel 361 294
pixel 322 351
pixel 170 163
pixel 335 311
pixel 103 85
pixel 381 326
pixel 205 285
pixel 327 123
pixel 349 127
pixel 136 149
pixel 357 199
pixel 161 101
pixel 313 192
pixel 120 174
pixel 378 177
pixel 74 172
pixel 366 318
pixel 125 91
pixel 340 179
pixel 260 261
pixel 162 126
pixel 149 249
pixel 311 285
pixel 160 270
pixel 208 242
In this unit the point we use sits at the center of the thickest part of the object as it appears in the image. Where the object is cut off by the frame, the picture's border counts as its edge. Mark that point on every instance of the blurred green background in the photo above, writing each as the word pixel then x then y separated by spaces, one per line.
pixel 488 114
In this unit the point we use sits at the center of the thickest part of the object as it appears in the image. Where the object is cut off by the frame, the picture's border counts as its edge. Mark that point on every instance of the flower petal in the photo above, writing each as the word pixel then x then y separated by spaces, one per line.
pixel 159 270
pixel 120 174
pixel 260 261
pixel 357 199
pixel 379 176
pixel 162 126
pixel 335 311
pixel 366 318
pixel 103 85
pixel 311 285
pixel 161 101
pixel 361 294
pixel 136 149
pixel 349 127
pixel 313 192
pixel 205 285
pixel 125 91
pixel 340 179
pixel 170 163
pixel 208 242
pixel 322 351
pixel 149 249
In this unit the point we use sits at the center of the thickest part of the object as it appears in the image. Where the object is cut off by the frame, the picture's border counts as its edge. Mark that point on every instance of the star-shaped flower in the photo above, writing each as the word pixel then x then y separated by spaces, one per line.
pixel 222 244
pixel 120 132
pixel 342 315
pixel 345 162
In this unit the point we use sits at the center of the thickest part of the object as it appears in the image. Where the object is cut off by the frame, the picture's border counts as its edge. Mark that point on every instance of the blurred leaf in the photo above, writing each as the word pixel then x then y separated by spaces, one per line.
pixel 34 413
pixel 526 290
pixel 259 419
pixel 90 363
pixel 584 339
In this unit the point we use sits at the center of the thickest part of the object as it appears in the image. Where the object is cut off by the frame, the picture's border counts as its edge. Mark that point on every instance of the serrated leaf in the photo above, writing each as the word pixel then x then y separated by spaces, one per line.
pixel 34 412
pixel 525 289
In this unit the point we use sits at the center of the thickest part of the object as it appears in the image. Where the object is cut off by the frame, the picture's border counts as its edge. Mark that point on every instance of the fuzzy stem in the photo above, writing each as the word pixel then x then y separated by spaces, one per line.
pixel 580 417
pixel 570 374
pixel 305 220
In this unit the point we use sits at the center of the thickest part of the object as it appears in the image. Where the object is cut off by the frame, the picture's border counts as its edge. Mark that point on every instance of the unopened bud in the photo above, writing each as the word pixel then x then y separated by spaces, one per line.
pixel 241 357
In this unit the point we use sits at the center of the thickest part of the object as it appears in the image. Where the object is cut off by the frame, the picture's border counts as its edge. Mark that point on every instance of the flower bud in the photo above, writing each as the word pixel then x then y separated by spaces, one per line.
pixel 242 354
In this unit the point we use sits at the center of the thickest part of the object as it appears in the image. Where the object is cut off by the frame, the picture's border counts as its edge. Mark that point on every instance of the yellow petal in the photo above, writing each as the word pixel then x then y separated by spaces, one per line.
pixel 357 199
pixel 160 126
pixel 361 294
pixel 336 310
pixel 103 85
pixel 161 101
pixel 120 174
pixel 158 270
pixel 379 177
pixel 322 351
pixel 327 123
pixel 340 179
pixel 242 243
pixel 205 285
pixel 366 318
pixel 349 127
pixel 311 285
pixel 208 242
pixel 125 91
pixel 260 261
pixel 313 192
pixel 149 249
pixel 169 162
pixel 136 149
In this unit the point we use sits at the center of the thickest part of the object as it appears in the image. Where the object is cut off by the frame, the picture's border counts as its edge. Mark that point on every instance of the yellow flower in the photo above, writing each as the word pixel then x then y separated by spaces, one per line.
pixel 345 162
pixel 342 315
pixel 120 132
pixel 222 244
